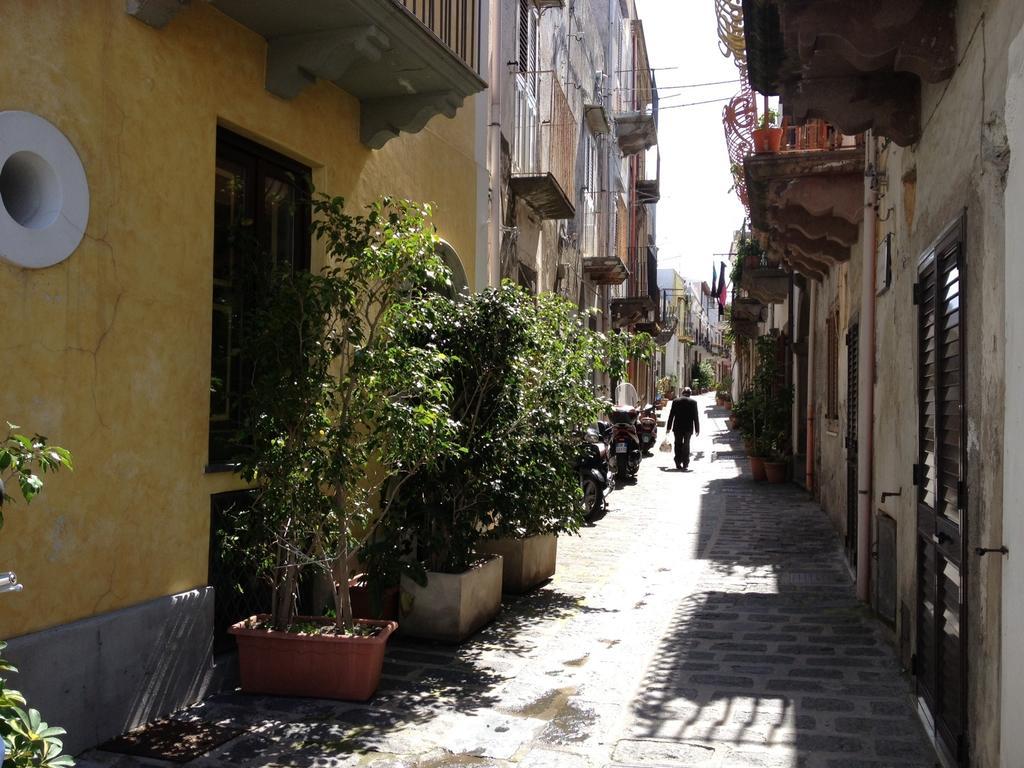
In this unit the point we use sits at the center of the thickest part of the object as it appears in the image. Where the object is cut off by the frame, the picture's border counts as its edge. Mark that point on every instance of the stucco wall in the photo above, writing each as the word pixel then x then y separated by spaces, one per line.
pixel 108 353
pixel 837 292
pixel 1012 673
pixel 959 168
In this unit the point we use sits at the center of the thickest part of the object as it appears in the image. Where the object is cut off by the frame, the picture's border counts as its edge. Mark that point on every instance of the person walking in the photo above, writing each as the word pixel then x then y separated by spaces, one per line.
pixel 683 422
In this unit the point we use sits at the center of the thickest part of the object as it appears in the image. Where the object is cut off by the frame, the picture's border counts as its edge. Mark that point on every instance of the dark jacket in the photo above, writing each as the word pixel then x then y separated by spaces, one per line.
pixel 682 417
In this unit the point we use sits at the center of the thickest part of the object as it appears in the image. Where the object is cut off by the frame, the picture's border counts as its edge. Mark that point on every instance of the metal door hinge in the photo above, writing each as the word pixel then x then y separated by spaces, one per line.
pixel 918 475
pixel 917 294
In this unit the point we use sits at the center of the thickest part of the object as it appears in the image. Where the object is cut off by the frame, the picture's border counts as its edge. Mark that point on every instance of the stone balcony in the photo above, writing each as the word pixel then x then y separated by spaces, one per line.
pixel 765 279
pixel 405 60
pixel 808 200
pixel 858 65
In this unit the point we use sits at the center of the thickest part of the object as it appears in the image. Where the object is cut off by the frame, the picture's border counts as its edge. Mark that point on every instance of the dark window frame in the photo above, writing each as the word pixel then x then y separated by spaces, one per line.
pixel 259 163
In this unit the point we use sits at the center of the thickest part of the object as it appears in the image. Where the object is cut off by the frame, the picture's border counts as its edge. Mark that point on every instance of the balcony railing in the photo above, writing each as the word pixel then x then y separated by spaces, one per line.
pixel 815 135
pixel 603 262
pixel 636 111
pixel 456 23
pixel 544 146
pixel 648 183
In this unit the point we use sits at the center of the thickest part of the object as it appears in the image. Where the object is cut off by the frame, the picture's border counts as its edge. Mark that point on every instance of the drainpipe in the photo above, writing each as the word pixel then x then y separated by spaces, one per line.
pixel 494 143
pixel 810 385
pixel 866 384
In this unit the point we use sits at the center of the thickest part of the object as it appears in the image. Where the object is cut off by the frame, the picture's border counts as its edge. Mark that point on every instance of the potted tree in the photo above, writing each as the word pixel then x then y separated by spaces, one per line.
pixel 539 494
pixel 766 408
pixel 768 134
pixel 333 391
pixel 520 369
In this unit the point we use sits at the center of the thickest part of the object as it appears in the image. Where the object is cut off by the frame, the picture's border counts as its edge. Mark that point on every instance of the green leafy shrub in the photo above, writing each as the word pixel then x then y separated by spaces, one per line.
pixel 28 742
pixel 765 409
pixel 703 375
pixel 520 371
pixel 338 405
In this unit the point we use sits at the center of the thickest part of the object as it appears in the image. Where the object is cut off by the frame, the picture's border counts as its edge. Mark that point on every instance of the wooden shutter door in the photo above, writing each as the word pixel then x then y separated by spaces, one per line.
pixel 852 480
pixel 941 502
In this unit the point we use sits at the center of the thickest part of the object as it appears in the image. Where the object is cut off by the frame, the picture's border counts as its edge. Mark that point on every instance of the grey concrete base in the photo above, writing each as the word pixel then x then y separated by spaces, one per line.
pixel 527 562
pixel 453 605
pixel 107 674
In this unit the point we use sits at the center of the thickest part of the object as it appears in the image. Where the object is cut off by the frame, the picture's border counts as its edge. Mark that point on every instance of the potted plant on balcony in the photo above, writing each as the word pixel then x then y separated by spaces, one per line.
pixel 332 391
pixel 768 134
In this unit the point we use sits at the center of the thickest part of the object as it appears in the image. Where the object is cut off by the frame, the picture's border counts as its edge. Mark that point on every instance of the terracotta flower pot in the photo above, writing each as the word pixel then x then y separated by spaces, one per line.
pixel 317 666
pixel 775 471
pixel 757 468
pixel 362 600
pixel 733 423
pixel 728 405
pixel 767 140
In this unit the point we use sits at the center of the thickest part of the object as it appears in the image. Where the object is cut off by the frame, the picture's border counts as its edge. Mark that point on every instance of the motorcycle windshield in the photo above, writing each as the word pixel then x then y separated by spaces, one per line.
pixel 625 395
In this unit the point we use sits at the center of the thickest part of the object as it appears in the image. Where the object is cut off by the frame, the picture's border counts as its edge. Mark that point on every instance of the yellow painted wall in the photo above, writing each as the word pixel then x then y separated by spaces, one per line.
pixel 108 353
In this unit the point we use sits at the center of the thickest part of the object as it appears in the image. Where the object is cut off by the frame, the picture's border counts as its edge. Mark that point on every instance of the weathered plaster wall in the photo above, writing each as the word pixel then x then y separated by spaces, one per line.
pixel 1012 672
pixel 108 353
pixel 837 292
pixel 957 167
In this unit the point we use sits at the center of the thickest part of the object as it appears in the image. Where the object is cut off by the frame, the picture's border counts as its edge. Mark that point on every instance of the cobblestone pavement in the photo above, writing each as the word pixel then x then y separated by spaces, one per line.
pixel 703 621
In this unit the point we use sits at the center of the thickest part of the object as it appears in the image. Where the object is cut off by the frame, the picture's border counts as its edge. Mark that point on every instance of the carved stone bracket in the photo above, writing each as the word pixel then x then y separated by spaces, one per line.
pixel 889 104
pixel 155 13
pixel 915 36
pixel 838 196
pixel 831 228
pixel 858 65
pixel 382 119
pixel 296 61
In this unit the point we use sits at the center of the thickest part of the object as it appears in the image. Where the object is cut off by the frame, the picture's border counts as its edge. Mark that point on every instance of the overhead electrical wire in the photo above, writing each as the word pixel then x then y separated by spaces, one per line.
pixel 694 103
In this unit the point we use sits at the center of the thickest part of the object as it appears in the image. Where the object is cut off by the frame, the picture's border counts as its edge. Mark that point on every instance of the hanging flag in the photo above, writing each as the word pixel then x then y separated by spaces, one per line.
pixel 714 280
pixel 721 289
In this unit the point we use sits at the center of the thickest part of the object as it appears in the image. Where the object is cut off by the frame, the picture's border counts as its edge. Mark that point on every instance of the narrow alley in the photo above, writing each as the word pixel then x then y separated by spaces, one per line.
pixel 703 621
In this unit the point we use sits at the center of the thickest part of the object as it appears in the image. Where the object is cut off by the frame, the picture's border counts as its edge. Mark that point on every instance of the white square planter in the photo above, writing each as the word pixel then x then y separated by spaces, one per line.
pixel 453 605
pixel 527 562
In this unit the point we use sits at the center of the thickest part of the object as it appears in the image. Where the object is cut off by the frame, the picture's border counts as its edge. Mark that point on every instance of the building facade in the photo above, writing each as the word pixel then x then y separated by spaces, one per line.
pixel 894 205
pixel 152 128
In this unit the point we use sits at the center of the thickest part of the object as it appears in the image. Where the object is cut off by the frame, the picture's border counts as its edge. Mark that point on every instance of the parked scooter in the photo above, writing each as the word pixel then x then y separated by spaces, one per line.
pixel 648 430
pixel 625 438
pixel 592 464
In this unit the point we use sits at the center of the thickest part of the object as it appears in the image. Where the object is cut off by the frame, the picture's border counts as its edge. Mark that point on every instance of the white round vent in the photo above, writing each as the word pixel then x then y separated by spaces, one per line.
pixel 44 195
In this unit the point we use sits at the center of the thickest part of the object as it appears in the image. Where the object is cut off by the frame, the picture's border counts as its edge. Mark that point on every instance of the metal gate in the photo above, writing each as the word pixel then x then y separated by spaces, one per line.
pixel 939 476
pixel 852 368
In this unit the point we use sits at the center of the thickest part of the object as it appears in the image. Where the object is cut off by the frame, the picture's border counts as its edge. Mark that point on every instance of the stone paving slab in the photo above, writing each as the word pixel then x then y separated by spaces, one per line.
pixel 704 621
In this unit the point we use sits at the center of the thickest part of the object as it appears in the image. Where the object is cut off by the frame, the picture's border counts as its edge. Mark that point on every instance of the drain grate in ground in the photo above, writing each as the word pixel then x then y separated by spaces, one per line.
pixel 172 740
pixel 810 578
pixel 730 455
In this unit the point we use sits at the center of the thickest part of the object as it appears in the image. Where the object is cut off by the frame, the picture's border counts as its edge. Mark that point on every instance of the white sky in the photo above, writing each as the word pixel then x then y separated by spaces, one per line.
pixel 697 213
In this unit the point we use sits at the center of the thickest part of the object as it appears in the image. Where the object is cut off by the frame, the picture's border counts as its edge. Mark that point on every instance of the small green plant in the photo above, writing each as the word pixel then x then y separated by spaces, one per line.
pixel 23 461
pixel 770 119
pixel 27 741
